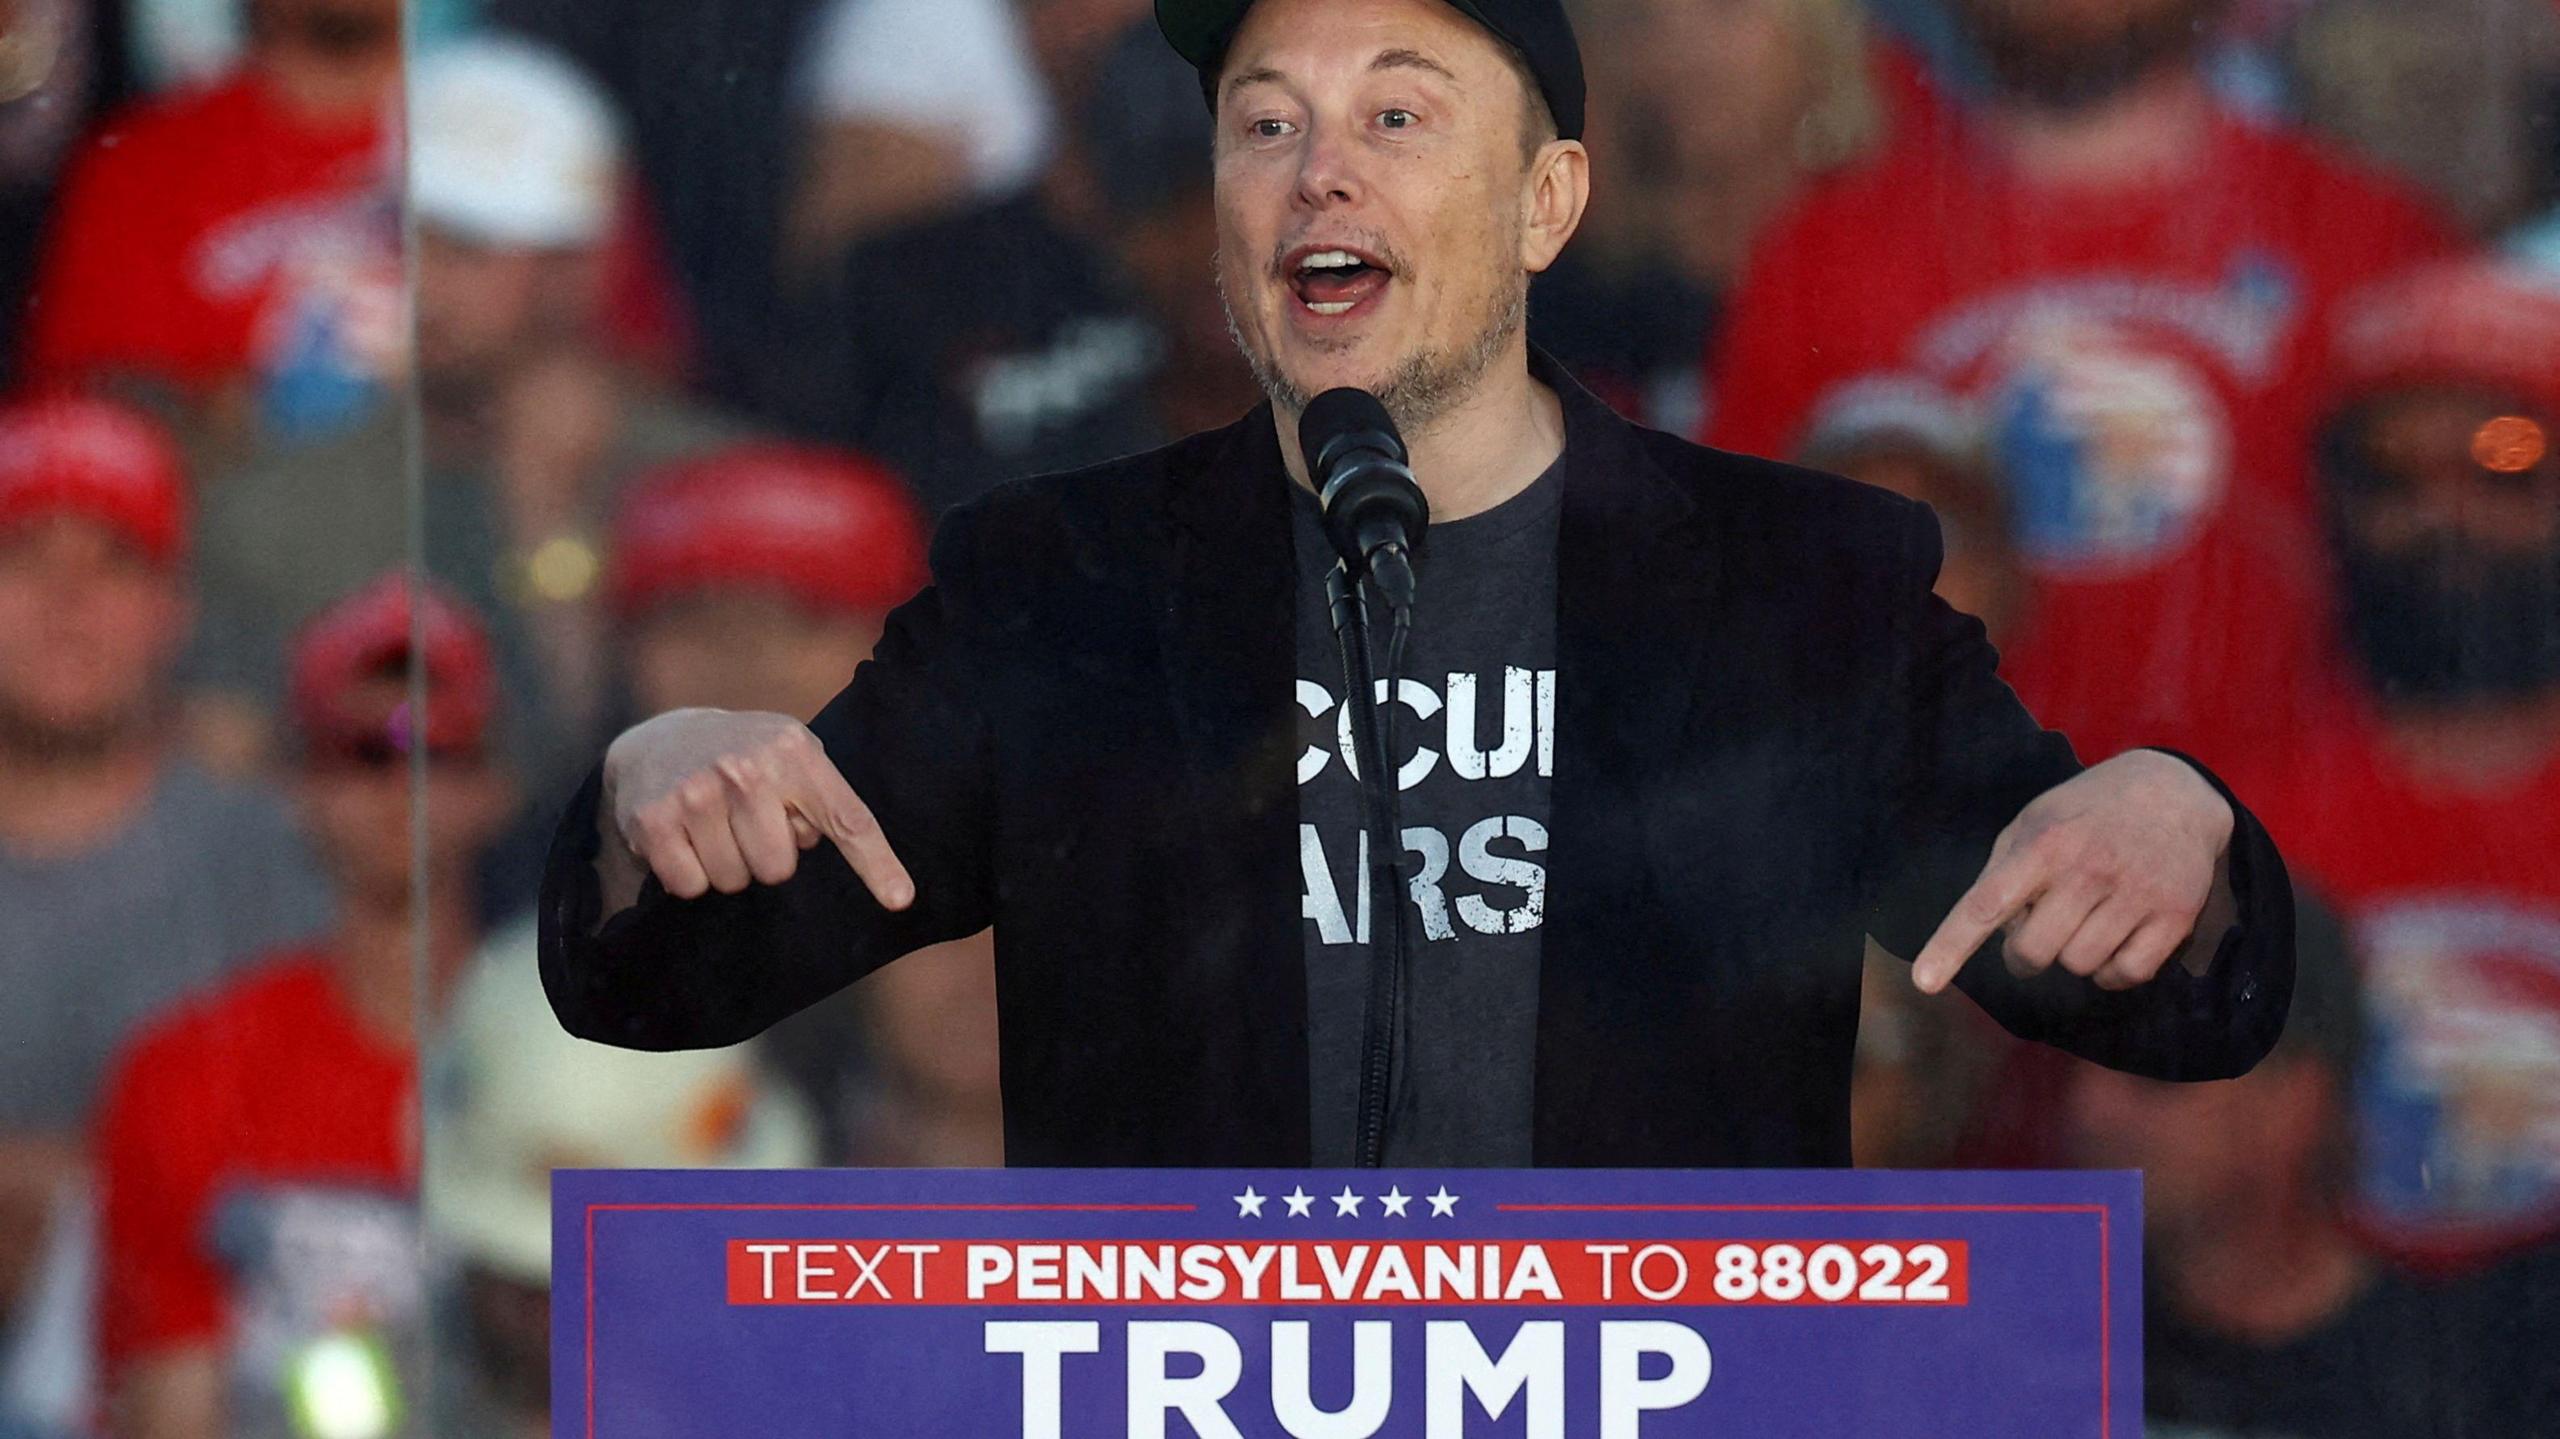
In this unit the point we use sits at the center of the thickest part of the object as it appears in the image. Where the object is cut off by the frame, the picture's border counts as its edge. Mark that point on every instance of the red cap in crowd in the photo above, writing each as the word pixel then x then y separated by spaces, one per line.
pixel 73 454
pixel 2488 322
pixel 836 531
pixel 369 635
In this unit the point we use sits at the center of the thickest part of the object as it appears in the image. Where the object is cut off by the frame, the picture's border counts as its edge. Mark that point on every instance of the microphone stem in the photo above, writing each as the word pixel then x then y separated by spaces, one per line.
pixel 1382 1019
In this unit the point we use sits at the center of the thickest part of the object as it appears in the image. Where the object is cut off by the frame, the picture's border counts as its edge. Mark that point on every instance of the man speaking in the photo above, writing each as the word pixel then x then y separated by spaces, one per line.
pixel 1679 731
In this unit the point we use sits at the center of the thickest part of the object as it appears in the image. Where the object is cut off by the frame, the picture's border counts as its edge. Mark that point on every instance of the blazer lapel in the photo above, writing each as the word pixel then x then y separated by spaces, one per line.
pixel 1636 583
pixel 1230 666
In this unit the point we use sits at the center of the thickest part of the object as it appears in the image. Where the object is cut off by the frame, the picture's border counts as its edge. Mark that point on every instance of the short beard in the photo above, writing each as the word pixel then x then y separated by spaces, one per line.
pixel 1424 386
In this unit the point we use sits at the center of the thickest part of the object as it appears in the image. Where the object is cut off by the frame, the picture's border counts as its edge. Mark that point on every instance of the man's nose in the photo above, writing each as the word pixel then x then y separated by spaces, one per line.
pixel 1328 171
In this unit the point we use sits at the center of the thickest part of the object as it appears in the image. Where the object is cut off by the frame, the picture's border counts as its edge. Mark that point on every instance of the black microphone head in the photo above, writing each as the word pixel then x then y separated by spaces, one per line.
pixel 1357 462
pixel 1340 419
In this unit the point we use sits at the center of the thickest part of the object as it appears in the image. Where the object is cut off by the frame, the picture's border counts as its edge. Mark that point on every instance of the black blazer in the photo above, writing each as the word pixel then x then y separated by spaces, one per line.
pixel 1772 741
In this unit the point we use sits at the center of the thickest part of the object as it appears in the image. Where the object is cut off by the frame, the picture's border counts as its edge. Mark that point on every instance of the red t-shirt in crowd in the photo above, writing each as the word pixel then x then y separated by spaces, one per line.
pixel 216 232
pixel 2453 904
pixel 2140 357
pixel 257 1157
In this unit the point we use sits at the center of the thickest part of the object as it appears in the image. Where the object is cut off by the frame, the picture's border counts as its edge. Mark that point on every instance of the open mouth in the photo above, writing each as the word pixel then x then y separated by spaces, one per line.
pixel 1334 281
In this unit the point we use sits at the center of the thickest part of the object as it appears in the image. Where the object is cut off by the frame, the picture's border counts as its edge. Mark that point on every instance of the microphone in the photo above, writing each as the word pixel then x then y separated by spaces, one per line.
pixel 1373 511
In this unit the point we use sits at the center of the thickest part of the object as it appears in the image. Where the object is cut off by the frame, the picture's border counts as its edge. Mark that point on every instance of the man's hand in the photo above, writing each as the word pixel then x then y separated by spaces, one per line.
pixel 719 799
pixel 2104 874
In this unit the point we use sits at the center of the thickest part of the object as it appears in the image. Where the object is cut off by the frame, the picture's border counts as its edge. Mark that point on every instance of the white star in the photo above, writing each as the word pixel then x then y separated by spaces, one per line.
pixel 1393 1202
pixel 1249 1204
pixel 1443 1203
pixel 1346 1203
pixel 1298 1199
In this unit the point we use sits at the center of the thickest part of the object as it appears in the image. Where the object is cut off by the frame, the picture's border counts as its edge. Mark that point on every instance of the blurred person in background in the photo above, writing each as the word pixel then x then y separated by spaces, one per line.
pixel 61 63
pixel 531 420
pixel 1718 112
pixel 528 423
pixel 508 1099
pixel 712 121
pixel 127 875
pixel 257 1144
pixel 2132 283
pixel 913 108
pixel 991 339
pixel 1141 148
pixel 756 575
pixel 932 1094
pixel 2457 96
pixel 756 578
pixel 2428 800
pixel 176 44
pixel 2263 1316
pixel 240 240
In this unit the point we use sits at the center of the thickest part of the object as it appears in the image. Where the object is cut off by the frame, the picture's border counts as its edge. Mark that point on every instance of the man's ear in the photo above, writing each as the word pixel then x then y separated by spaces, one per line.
pixel 1555 192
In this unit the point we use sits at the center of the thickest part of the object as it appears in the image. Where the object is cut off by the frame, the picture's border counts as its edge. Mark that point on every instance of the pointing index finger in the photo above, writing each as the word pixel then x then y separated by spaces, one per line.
pixel 825 799
pixel 2003 888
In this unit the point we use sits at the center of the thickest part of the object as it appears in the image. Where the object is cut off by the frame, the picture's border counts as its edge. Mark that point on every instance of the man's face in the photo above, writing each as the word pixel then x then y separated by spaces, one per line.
pixel 88 627
pixel 339 29
pixel 746 649
pixel 357 810
pixel 483 307
pixel 1375 201
pixel 2452 463
pixel 2066 53
pixel 1712 83
pixel 2447 524
pixel 356 804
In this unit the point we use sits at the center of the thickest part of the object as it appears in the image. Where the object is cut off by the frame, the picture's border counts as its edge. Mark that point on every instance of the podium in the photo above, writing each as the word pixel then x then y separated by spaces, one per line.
pixel 1340 1304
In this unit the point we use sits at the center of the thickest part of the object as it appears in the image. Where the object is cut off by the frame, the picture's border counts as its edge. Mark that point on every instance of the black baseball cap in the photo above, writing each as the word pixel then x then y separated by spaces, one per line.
pixel 1201 30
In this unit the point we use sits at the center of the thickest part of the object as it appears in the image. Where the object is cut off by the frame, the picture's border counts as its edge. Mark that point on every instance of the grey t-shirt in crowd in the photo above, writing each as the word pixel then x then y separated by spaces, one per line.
pixel 1475 742
pixel 205 876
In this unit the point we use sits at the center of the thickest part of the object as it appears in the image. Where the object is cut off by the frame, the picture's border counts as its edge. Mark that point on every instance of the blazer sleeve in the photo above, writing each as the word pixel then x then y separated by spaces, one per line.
pixel 910 735
pixel 1970 757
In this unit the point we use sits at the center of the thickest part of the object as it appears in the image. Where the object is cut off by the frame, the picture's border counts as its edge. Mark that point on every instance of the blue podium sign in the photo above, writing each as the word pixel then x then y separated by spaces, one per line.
pixel 1334 1304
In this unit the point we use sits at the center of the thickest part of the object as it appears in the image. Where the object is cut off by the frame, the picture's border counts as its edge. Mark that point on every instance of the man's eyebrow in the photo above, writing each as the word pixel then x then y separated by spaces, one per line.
pixel 1385 60
pixel 1250 77
pixel 1411 60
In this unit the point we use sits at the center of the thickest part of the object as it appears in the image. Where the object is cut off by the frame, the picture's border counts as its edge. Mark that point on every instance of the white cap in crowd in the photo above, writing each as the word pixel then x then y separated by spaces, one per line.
pixel 511 145
pixel 510 1097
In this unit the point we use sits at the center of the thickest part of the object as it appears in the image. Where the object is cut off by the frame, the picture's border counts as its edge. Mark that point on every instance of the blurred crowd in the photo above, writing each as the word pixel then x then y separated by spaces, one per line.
pixel 355 450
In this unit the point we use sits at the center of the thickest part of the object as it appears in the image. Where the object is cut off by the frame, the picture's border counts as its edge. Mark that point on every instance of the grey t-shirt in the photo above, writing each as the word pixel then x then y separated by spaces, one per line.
pixel 1475 743
pixel 205 876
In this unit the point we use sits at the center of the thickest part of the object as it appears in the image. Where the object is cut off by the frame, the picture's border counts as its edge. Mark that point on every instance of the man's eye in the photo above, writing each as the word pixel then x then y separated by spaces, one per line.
pixel 1396 119
pixel 1269 129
